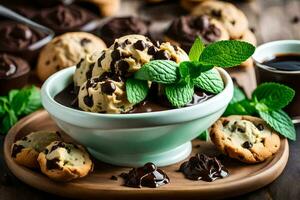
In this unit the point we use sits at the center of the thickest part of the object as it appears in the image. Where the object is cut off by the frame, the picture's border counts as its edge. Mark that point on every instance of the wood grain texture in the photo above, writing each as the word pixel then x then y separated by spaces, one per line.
pixel 243 178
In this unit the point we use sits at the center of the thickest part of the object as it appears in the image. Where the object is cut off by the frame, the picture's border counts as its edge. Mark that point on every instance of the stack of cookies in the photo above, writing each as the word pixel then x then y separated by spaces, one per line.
pixel 46 151
pixel 212 21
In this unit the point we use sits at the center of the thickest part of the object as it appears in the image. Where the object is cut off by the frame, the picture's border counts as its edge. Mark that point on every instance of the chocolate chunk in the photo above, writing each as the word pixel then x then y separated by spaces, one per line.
pixel 201 22
pixel 16 149
pixel 115 55
pixel 152 50
pixel 295 20
pixel 202 167
pixel 140 45
pixel 79 63
pixel 123 67
pixel 146 176
pixel 85 41
pixel 247 145
pixel 225 122
pixel 108 87
pixel 53 164
pixel 216 13
pixel 252 29
pixel 127 42
pixel 114 178
pixel 89 73
pixel 161 55
pixel 88 100
pixel 260 127
pixel 116 45
pixel 233 22
pixel 241 130
pixel 58 145
pixel 100 59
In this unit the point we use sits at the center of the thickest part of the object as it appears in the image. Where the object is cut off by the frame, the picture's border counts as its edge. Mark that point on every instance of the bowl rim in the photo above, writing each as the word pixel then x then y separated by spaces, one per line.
pixel 46 96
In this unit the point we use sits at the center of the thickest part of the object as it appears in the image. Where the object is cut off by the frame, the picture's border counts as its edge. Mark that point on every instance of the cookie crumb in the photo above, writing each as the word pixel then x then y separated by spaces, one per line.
pixel 114 178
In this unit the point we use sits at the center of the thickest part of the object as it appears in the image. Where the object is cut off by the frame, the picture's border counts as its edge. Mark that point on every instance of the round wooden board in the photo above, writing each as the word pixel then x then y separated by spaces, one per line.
pixel 243 178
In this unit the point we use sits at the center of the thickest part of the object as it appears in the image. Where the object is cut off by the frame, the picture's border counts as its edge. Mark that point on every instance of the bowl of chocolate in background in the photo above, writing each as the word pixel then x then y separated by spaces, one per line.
pixel 279 61
pixel 162 137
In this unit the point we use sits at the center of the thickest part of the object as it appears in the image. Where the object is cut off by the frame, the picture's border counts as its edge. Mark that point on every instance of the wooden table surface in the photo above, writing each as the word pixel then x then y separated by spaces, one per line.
pixel 271 20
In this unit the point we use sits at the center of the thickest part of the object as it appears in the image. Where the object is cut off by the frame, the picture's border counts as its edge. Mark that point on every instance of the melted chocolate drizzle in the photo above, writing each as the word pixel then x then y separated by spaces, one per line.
pixel 146 176
pixel 202 167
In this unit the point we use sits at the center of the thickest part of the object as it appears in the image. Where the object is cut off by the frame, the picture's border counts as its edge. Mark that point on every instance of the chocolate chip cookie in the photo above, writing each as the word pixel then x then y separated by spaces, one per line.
pixel 246 138
pixel 65 51
pixel 233 19
pixel 26 150
pixel 62 161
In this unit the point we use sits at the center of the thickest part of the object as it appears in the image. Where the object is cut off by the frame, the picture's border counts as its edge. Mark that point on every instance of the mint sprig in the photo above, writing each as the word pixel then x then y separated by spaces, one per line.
pixel 267 101
pixel 136 90
pixel 180 79
pixel 17 104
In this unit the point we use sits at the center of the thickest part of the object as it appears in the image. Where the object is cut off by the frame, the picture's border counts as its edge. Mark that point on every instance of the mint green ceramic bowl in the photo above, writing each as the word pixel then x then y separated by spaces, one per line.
pixel 161 137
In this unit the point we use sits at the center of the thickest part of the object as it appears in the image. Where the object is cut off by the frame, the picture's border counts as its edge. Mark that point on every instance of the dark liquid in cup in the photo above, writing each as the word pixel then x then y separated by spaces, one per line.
pixel 285 62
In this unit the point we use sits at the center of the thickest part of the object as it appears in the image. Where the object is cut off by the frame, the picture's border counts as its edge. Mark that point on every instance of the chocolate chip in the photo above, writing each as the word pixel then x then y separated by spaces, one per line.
pixel 53 164
pixel 84 41
pixel 115 55
pixel 161 55
pixel 295 20
pixel 152 50
pixel 88 100
pixel 114 178
pixel 127 42
pixel 47 62
pixel 260 127
pixel 116 45
pixel 100 59
pixel 202 22
pixel 233 22
pixel 79 63
pixel 123 67
pixel 216 13
pixel 252 29
pixel 140 45
pixel 247 145
pixel 225 122
pixel 46 151
pixel 108 87
pixel 16 149
pixel 241 130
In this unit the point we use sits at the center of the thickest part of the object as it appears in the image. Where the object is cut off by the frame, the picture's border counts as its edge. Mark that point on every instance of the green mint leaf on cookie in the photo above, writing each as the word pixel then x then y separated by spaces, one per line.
pixel 210 81
pixel 136 90
pixel 179 94
pixel 280 122
pixel 160 71
pixel 196 49
pixel 274 95
pixel 227 53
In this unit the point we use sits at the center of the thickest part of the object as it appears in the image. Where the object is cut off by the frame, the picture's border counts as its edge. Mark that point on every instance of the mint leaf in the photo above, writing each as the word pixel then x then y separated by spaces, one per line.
pixel 244 107
pixel 280 122
pixel 274 95
pixel 19 101
pixel 203 136
pixel 196 49
pixel 34 101
pixel 227 53
pixel 238 94
pixel 8 121
pixel 11 94
pixel 210 81
pixel 3 106
pixel 160 71
pixel 136 90
pixel 179 94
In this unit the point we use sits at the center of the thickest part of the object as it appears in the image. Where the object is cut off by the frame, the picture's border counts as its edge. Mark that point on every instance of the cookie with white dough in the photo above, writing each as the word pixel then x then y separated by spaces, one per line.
pixel 63 161
pixel 246 138
pixel 26 150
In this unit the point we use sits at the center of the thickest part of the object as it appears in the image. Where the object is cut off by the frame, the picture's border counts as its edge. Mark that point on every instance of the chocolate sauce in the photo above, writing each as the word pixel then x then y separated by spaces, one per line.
pixel 147 176
pixel 202 167
pixel 286 62
pixel 153 103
